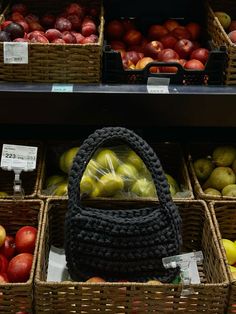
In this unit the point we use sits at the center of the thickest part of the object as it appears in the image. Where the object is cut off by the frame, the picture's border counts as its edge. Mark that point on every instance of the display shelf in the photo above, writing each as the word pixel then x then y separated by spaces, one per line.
pixel 184 106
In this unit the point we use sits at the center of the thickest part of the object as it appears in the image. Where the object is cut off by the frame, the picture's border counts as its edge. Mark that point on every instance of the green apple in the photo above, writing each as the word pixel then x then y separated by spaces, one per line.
pixel 54 180
pixel 135 160
pixel 61 189
pixel 128 173
pixel 110 184
pixel 107 159
pixel 92 168
pixel 203 168
pixel 66 159
pixel 87 185
pixel 144 188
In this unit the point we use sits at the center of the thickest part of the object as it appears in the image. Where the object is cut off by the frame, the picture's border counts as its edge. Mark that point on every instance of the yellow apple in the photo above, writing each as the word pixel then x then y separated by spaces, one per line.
pixel 128 173
pixel 87 185
pixel 110 184
pixel 144 188
pixel 135 160
pixel 230 251
pixel 2 235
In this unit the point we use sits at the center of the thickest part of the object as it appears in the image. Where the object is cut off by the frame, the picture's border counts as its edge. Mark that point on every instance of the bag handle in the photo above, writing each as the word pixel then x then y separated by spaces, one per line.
pixel 142 148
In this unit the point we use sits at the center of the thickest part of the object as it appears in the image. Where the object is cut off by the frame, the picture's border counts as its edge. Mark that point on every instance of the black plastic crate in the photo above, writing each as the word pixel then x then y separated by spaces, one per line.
pixel 156 13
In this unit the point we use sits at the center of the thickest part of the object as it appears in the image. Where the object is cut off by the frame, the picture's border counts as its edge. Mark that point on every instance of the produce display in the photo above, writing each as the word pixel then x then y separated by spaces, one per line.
pixel 217 173
pixel 112 172
pixel 75 24
pixel 228 24
pixel 167 42
pixel 16 254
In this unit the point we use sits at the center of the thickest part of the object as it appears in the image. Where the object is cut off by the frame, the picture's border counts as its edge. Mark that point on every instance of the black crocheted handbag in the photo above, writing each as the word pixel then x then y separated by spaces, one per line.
pixel 118 244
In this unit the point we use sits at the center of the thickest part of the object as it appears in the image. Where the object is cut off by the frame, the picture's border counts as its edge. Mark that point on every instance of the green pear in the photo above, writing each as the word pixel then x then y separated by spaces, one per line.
pixel 219 178
pixel 54 180
pixel 224 156
pixel 110 184
pixel 61 189
pixel 224 19
pixel 128 173
pixel 234 166
pixel 135 160
pixel 107 159
pixel 66 159
pixel 203 168
pixel 174 187
pixel 144 188
pixel 229 190
pixel 211 191
pixel 87 185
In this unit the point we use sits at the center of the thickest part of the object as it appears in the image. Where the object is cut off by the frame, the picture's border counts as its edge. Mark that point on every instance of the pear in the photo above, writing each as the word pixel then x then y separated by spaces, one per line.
pixel 87 185
pixel 66 159
pixel 229 190
pixel 135 160
pixel 230 250
pixel 224 156
pixel 219 178
pixel 144 188
pixel 128 173
pixel 174 187
pixel 54 180
pixel 61 189
pixel 110 184
pixel 107 159
pixel 224 19
pixel 234 166
pixel 203 168
pixel 3 194
pixel 233 271
pixel 211 191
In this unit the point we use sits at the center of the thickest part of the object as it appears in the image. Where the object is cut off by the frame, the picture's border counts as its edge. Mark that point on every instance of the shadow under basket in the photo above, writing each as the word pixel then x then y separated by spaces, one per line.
pixel 17 297
pixel 224 218
pixel 29 179
pixel 170 154
pixel 79 297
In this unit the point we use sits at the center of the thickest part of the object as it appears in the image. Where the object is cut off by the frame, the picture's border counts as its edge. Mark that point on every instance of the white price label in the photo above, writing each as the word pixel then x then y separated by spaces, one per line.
pixel 19 156
pixel 157 89
pixel 15 52
pixel 62 88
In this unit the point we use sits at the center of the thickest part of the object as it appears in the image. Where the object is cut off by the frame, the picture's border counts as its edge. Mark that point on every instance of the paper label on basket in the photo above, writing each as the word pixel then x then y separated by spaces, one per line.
pixel 15 52
pixel 19 157
pixel 57 270
pixel 62 88
pixel 158 85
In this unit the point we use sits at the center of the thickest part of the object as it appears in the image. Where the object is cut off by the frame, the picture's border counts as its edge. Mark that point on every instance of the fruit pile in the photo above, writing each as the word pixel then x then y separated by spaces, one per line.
pixel 169 42
pixel 75 24
pixel 230 251
pixel 16 254
pixel 217 173
pixel 228 24
pixel 112 172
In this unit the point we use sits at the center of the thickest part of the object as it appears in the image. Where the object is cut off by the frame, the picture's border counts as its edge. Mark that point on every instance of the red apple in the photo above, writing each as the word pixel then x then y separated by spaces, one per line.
pixel 58 41
pixel 232 26
pixel 63 24
pixel 181 32
pixel 68 37
pixel 167 54
pixel 171 25
pixel 117 44
pixel 168 41
pixel 16 16
pixel 3 263
pixel 194 64
pixel 184 48
pixel 35 26
pixel 19 7
pixel 75 20
pixel 31 18
pixel 133 56
pixel 153 48
pixel 232 36
pixel 75 8
pixel 39 39
pixel 194 29
pixel 8 248
pixel 79 37
pixel 3 278
pixel 132 37
pixel 90 39
pixel 25 25
pixel 182 62
pixel 48 20
pixel 34 33
pixel 52 34
pixel 201 54
pixel 115 29
pixel 143 62
pixel 128 24
pixel 88 27
pixel 170 69
pixel 156 31
pixel 22 40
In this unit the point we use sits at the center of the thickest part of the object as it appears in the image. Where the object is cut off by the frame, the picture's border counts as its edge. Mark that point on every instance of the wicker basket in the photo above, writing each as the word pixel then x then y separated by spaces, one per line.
pixel 224 218
pixel 170 154
pixel 78 297
pixel 220 36
pixel 16 297
pixel 201 150
pixel 56 63
pixel 29 179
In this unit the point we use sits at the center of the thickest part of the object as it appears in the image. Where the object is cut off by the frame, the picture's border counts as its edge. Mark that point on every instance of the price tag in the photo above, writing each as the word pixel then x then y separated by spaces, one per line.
pixel 158 85
pixel 62 88
pixel 19 157
pixel 15 52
